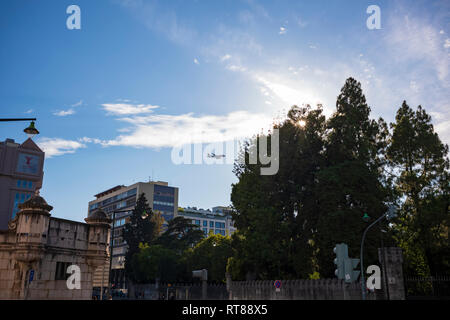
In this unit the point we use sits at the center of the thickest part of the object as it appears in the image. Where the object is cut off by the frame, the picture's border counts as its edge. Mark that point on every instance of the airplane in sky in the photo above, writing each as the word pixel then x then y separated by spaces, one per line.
pixel 217 156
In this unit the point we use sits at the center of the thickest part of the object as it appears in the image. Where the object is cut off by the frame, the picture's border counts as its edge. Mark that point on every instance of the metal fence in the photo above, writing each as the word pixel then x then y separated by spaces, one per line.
pixel 421 288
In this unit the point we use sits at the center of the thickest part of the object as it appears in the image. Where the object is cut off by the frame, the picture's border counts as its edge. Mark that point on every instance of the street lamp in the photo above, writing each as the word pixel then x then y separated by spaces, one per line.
pixel 31 131
pixel 389 215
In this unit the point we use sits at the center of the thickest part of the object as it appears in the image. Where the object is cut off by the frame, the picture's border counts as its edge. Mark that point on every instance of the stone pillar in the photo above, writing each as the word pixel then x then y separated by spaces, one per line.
pixel 391 260
pixel 229 281
pixel 97 254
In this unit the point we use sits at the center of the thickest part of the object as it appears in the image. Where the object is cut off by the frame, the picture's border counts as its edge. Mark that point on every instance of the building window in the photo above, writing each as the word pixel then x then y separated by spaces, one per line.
pixel 61 270
pixel 24 184
pixel 211 224
pixel 163 203
pixel 205 223
pixel 197 222
pixel 18 199
pixel 205 231
pixel 131 192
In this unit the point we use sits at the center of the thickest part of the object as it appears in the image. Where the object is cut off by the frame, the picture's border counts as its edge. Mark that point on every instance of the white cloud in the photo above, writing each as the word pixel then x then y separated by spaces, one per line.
pixel 415 39
pixel 64 113
pixel 282 30
pixel 196 61
pixel 29 111
pixel 57 147
pixel 165 21
pixel 287 93
pixel 90 140
pixel 128 109
pixel 441 124
pixel 447 43
pixel 225 57
pixel 79 103
pixel 233 67
pixel 157 131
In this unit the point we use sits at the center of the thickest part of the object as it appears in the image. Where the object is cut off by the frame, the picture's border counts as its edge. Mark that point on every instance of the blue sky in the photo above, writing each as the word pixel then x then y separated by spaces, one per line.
pixel 140 77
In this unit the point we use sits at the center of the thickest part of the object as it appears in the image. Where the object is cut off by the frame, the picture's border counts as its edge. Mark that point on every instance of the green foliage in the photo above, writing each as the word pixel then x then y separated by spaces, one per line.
pixel 351 182
pixel 157 256
pixel 155 262
pixel 140 230
pixel 180 235
pixel 275 214
pixel 330 174
pixel 421 164
pixel 211 253
pixel 332 171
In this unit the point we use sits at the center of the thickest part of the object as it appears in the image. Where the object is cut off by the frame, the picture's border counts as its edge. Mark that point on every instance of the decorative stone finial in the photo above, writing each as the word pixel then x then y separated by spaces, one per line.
pixel 36 202
pixel 99 216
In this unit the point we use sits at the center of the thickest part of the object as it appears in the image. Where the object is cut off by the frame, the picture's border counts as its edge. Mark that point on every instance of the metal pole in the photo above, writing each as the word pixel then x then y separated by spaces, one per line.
pixel 363 284
pixel 111 253
pixel 385 282
pixel 17 119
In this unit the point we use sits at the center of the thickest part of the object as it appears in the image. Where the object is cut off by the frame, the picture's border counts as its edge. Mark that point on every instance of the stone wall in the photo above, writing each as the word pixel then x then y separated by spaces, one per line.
pixel 34 244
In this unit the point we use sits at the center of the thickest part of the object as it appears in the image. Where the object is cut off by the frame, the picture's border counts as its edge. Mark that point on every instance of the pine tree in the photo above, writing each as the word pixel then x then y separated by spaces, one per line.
pixel 351 182
pixel 139 231
pixel 420 161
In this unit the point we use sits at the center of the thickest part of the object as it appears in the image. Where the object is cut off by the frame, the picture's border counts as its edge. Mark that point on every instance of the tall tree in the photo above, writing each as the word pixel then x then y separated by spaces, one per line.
pixel 352 182
pixel 275 214
pixel 180 235
pixel 420 163
pixel 139 231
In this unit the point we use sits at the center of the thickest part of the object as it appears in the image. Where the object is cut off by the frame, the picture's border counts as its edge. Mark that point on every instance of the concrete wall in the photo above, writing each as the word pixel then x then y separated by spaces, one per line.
pixel 325 289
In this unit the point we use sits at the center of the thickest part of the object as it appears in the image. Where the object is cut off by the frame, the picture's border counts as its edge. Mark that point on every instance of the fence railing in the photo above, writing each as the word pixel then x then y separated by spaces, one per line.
pixel 435 287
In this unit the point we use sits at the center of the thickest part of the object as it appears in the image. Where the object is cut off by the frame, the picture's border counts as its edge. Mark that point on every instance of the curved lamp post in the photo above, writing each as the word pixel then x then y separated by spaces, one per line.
pixel 389 215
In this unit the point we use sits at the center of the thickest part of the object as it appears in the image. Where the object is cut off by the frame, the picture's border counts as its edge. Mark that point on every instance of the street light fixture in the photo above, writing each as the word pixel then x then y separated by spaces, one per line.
pixel 31 131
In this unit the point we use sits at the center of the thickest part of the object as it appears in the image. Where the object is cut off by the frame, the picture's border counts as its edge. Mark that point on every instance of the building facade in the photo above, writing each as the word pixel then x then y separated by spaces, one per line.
pixel 37 250
pixel 21 174
pixel 215 221
pixel 162 198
